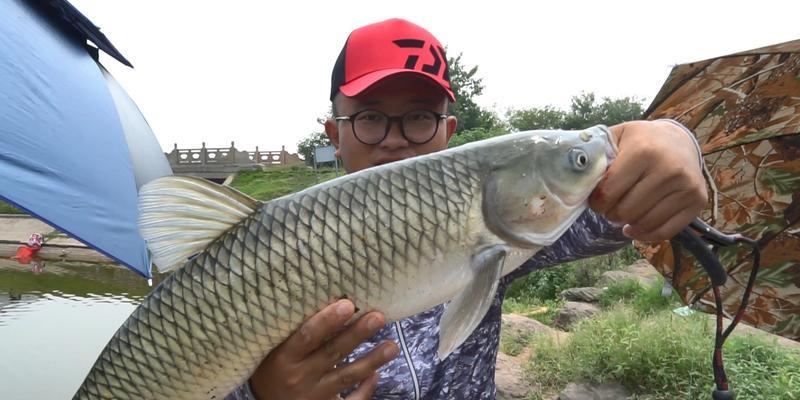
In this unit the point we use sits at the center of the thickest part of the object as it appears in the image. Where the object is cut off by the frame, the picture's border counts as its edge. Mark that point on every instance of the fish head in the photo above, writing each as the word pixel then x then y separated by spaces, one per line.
pixel 540 182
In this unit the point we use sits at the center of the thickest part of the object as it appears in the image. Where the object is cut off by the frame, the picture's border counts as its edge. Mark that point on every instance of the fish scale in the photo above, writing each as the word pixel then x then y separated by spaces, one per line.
pixel 386 238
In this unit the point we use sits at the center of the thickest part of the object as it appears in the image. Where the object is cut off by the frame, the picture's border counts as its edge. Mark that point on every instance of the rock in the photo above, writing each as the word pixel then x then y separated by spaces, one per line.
pixel 646 273
pixel 609 277
pixel 508 377
pixel 640 271
pixel 584 294
pixel 572 312
pixel 524 324
pixel 605 391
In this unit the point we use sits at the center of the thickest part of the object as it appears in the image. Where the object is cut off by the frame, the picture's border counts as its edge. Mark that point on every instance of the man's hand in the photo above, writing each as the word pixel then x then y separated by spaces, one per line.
pixel 302 367
pixel 655 186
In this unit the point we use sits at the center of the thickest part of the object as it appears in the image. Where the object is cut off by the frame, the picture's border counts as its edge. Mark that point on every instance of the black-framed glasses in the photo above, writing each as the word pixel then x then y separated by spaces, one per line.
pixel 372 126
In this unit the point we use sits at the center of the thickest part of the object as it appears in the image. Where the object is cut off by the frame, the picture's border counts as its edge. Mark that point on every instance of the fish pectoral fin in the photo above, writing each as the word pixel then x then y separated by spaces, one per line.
pixel 466 310
pixel 179 216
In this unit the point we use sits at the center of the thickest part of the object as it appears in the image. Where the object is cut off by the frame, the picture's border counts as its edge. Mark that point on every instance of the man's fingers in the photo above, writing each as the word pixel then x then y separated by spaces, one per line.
pixel 313 332
pixel 639 201
pixel 620 177
pixel 665 231
pixel 342 378
pixel 660 213
pixel 365 388
pixel 335 349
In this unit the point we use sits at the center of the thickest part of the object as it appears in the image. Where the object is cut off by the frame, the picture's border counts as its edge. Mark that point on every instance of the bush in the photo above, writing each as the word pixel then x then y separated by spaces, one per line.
pixel 542 285
pixel 663 356
pixel 620 292
pixel 643 300
pixel 547 284
pixel 650 300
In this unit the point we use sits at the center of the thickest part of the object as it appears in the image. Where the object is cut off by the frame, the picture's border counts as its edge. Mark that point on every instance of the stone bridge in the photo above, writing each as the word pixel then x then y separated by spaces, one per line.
pixel 219 163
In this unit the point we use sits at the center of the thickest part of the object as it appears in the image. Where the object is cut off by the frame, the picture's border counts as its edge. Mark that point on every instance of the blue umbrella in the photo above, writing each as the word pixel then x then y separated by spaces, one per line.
pixel 74 148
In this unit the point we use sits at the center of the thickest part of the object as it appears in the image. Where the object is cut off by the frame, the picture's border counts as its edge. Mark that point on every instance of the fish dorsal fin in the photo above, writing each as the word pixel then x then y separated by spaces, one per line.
pixel 179 216
pixel 466 310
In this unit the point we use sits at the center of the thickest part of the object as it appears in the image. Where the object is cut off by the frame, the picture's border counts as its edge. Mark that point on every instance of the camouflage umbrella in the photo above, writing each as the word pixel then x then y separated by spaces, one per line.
pixel 745 110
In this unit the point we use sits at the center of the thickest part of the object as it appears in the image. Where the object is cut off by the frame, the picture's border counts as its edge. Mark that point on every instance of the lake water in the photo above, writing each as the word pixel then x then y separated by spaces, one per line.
pixel 54 321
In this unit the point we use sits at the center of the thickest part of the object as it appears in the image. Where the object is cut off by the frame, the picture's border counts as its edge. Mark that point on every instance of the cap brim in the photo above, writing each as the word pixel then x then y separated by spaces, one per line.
pixel 364 82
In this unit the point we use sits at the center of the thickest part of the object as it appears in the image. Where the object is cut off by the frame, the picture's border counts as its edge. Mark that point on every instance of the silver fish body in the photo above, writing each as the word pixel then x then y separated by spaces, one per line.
pixel 400 238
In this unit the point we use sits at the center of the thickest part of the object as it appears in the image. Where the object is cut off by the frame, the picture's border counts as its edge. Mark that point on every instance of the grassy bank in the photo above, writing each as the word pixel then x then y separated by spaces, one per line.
pixel 662 356
pixel 279 181
pixel 639 342
pixel 263 185
pixel 6 208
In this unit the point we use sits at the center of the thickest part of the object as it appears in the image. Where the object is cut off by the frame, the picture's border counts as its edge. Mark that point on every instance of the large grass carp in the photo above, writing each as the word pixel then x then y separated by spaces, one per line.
pixel 400 238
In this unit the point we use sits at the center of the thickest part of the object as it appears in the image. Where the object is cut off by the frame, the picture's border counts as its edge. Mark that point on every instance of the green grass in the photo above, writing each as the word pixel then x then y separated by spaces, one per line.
pixel 6 208
pixel 650 300
pixel 620 292
pixel 279 181
pixel 662 356
pixel 513 341
pixel 641 299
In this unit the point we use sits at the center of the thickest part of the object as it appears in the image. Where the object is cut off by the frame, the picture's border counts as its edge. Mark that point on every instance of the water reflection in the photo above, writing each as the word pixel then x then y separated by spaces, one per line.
pixel 55 318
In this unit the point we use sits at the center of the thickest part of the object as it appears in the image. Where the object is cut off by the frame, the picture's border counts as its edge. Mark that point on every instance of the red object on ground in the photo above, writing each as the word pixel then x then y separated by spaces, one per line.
pixel 26 254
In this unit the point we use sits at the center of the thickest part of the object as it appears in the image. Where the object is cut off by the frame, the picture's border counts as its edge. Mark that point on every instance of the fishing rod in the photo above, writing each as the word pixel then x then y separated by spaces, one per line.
pixel 704 246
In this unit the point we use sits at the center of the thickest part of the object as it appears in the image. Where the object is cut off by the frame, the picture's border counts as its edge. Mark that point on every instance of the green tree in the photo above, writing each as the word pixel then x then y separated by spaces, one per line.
pixel 467 86
pixel 306 146
pixel 473 135
pixel 548 117
pixel 585 111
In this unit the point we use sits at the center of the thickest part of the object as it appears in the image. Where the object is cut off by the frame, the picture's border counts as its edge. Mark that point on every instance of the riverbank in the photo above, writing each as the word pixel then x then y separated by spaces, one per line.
pixel 16 228
pixel 263 185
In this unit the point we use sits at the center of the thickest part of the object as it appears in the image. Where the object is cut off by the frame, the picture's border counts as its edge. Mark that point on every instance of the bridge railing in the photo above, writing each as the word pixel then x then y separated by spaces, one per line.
pixel 268 157
pixel 229 156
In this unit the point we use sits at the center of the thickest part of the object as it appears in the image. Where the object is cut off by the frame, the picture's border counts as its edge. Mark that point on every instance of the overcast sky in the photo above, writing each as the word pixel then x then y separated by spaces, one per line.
pixel 258 72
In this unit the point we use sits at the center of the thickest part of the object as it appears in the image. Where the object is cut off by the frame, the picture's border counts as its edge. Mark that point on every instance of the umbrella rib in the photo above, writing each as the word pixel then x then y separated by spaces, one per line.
pixel 714 192
pixel 722 149
pixel 739 82
pixel 748 210
pixel 730 87
pixel 758 169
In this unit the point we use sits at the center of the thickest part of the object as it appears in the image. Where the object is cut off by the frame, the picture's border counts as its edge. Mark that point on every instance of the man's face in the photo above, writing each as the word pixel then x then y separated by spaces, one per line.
pixel 394 96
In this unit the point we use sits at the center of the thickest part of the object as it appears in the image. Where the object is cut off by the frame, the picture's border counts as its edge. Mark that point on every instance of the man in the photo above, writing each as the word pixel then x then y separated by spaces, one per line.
pixel 390 73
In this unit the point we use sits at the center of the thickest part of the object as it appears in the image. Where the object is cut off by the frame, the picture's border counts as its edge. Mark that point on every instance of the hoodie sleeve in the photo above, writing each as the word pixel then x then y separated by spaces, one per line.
pixel 242 393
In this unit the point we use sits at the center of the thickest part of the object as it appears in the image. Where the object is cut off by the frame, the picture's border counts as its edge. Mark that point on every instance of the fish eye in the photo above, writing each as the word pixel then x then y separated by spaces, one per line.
pixel 579 159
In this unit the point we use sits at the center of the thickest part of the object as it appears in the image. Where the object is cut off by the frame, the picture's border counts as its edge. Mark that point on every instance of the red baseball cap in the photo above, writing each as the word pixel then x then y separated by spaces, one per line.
pixel 386 48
